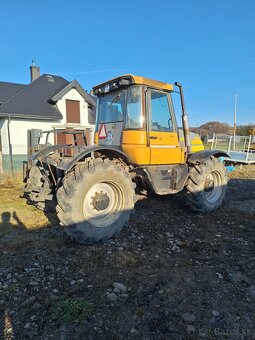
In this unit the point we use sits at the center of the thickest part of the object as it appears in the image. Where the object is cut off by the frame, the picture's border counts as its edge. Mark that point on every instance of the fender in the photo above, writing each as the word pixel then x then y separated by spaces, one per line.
pixel 203 156
pixel 44 152
pixel 67 165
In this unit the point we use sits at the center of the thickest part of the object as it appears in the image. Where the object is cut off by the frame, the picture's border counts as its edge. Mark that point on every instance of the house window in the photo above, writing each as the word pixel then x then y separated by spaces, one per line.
pixel 72 112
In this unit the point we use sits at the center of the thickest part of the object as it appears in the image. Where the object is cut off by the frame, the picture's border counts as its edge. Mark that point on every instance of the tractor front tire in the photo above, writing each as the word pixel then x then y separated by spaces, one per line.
pixel 207 185
pixel 95 200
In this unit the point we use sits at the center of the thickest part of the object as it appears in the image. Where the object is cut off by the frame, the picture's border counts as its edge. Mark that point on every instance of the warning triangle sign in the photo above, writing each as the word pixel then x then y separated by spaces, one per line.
pixel 102 132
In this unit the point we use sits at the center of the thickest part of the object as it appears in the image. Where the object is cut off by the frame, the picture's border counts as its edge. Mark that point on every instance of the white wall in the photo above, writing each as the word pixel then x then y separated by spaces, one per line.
pixel 74 95
pixel 19 127
pixel 18 133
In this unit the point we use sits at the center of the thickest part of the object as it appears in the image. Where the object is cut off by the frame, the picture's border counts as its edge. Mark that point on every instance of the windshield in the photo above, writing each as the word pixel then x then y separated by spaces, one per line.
pixel 111 107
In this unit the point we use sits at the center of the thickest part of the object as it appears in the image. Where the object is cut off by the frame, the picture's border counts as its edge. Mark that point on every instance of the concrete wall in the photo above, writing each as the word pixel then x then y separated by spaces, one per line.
pixel 17 162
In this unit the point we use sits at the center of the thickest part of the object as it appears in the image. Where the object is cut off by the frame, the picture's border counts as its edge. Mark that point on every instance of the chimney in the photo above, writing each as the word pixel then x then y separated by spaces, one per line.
pixel 34 71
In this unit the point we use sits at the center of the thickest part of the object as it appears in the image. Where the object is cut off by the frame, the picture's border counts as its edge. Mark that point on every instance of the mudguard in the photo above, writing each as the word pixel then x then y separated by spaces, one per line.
pixel 44 152
pixel 67 164
pixel 202 156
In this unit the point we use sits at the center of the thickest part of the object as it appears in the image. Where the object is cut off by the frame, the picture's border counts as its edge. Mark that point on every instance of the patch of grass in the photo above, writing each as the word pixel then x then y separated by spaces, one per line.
pixel 14 210
pixel 125 259
pixel 140 312
pixel 243 172
pixel 7 180
pixel 71 310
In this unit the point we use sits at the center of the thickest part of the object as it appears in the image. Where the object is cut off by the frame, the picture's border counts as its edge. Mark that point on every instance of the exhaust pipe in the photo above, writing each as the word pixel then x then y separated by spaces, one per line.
pixel 185 123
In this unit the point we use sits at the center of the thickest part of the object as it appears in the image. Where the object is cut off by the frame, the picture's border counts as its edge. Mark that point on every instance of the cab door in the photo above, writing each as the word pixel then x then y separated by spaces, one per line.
pixel 163 137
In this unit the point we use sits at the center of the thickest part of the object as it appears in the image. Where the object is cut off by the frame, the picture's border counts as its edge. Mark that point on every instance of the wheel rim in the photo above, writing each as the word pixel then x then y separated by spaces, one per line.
pixel 213 187
pixel 103 204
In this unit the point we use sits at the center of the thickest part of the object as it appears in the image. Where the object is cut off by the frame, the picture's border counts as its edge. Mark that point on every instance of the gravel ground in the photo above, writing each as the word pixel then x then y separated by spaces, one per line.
pixel 171 274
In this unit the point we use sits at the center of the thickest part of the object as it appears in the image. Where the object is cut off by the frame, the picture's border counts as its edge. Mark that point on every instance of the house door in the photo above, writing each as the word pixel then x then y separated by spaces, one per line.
pixel 164 144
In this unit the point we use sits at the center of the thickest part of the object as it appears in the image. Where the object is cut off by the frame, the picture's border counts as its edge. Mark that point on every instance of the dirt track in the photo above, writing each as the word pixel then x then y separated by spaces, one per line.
pixel 183 275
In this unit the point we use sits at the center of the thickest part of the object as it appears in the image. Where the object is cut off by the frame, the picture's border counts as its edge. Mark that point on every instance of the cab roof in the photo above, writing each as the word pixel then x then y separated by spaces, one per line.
pixel 130 79
pixel 152 83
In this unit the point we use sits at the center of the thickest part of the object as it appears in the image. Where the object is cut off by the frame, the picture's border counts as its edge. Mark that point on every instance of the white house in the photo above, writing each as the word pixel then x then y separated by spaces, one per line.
pixel 48 102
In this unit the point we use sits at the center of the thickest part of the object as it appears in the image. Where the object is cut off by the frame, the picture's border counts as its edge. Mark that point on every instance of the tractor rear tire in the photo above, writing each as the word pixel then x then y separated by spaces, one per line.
pixel 95 200
pixel 37 190
pixel 207 185
pixel 34 179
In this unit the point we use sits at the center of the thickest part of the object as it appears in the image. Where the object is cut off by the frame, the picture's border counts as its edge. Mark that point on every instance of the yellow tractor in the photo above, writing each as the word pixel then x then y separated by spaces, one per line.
pixel 137 146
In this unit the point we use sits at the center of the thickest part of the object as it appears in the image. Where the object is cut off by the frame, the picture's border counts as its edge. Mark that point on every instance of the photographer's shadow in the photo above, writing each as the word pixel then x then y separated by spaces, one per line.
pixel 7 223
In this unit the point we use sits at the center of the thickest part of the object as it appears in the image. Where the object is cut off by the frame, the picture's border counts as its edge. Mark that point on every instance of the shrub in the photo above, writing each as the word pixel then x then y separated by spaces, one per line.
pixel 71 310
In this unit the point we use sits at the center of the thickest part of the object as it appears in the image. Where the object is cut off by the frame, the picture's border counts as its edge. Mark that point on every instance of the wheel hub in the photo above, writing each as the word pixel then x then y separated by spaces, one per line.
pixel 209 184
pixel 103 203
pixel 100 201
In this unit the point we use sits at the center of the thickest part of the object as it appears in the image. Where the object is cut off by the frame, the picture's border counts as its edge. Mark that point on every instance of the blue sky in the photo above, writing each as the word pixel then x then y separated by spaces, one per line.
pixel 207 45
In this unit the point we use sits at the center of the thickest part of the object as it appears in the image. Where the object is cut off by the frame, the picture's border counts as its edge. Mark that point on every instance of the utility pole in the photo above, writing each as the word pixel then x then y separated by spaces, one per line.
pixel 10 146
pixel 1 156
pixel 235 122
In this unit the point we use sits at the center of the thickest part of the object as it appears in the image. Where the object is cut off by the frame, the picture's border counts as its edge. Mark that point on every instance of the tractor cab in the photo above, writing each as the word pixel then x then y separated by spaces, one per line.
pixel 137 115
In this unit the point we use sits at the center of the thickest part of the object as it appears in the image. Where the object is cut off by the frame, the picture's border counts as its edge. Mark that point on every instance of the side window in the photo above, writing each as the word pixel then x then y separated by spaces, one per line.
pixel 160 113
pixel 111 107
pixel 134 119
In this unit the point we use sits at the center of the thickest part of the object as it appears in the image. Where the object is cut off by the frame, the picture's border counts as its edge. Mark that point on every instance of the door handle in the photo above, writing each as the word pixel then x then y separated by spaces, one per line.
pixel 153 137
